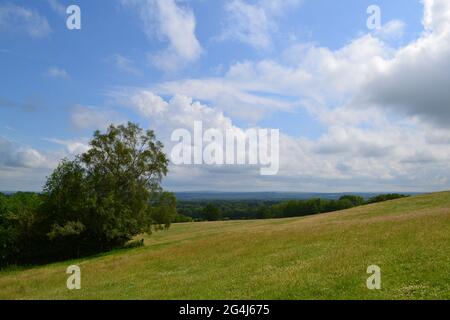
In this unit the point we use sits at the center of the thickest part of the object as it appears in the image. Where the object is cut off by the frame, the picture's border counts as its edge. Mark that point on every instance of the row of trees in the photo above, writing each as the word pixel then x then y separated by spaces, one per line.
pixel 97 202
pixel 235 210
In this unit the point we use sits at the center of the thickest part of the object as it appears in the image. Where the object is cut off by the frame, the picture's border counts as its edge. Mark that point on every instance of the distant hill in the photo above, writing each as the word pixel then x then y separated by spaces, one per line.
pixel 8 193
pixel 269 196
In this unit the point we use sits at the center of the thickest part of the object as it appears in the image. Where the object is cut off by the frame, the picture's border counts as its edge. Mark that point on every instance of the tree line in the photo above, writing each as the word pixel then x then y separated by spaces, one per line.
pixel 199 210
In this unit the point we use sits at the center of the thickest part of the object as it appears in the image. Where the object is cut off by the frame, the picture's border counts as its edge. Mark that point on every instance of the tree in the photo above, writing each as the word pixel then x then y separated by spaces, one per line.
pixel 164 210
pixel 355 200
pixel 386 197
pixel 96 202
pixel 211 213
pixel 7 234
pixel 101 200
pixel 19 226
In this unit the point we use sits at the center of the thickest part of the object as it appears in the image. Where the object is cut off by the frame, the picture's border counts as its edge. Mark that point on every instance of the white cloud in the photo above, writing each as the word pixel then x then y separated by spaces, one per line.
pixel 178 112
pixel 16 156
pixel 388 155
pixel 57 7
pixel 436 15
pixel 392 30
pixel 55 72
pixel 251 90
pixel 248 23
pixel 254 24
pixel 360 93
pixel 73 147
pixel 15 18
pixel 366 73
pixel 228 95
pixel 124 64
pixel 172 22
pixel 26 168
pixel 385 112
pixel 414 83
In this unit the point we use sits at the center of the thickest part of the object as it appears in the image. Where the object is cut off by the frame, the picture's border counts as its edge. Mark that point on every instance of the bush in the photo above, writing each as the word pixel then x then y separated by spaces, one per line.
pixel 211 213
pixel 163 210
pixel 355 200
pixel 386 197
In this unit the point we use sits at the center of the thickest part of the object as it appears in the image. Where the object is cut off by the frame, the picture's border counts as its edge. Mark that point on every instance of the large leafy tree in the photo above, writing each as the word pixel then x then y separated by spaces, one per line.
pixel 102 199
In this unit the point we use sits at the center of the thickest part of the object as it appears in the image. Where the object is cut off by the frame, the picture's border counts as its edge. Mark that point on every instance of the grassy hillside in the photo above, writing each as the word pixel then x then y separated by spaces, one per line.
pixel 318 257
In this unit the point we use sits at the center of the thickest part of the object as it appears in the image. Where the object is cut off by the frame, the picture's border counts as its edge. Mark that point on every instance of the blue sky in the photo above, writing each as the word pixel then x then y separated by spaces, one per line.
pixel 58 85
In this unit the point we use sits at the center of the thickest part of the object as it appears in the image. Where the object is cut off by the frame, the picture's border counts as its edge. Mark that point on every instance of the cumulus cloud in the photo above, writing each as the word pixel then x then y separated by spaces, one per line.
pixel 366 73
pixel 255 23
pixel 415 81
pixel 175 23
pixel 16 156
pixel 436 15
pixel 227 95
pixel 178 112
pixel 307 75
pixel 392 30
pixel 385 111
pixel 346 156
pixel 14 18
pixel 25 168
pixel 379 105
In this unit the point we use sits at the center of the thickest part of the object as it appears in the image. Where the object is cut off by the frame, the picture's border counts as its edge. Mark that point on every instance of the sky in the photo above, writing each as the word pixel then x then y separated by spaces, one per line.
pixel 357 108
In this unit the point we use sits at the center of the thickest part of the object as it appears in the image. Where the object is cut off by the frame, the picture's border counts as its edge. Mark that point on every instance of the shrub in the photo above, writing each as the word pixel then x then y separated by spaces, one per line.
pixel 386 197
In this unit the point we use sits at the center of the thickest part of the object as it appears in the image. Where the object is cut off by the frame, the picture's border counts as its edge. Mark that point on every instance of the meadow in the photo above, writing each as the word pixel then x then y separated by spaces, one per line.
pixel 316 257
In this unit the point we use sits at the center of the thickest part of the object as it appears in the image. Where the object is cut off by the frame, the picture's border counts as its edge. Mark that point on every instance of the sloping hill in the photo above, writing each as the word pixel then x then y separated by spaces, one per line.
pixel 317 257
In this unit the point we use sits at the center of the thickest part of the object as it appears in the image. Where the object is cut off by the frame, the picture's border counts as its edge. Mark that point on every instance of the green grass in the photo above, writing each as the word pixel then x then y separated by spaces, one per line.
pixel 317 257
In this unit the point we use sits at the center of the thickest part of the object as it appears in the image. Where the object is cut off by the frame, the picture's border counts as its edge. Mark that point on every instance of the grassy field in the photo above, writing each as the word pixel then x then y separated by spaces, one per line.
pixel 317 257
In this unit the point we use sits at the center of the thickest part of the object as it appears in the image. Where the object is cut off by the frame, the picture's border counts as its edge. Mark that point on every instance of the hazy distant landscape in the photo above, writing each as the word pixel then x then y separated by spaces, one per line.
pixel 272 196
pixel 275 196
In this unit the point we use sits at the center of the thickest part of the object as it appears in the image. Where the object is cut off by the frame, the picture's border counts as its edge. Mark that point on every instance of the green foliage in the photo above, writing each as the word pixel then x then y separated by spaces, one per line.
pixel 229 209
pixel 355 200
pixel 19 225
pixel 163 210
pixel 70 229
pixel 180 218
pixel 255 209
pixel 7 234
pixel 211 213
pixel 386 197
pixel 97 202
